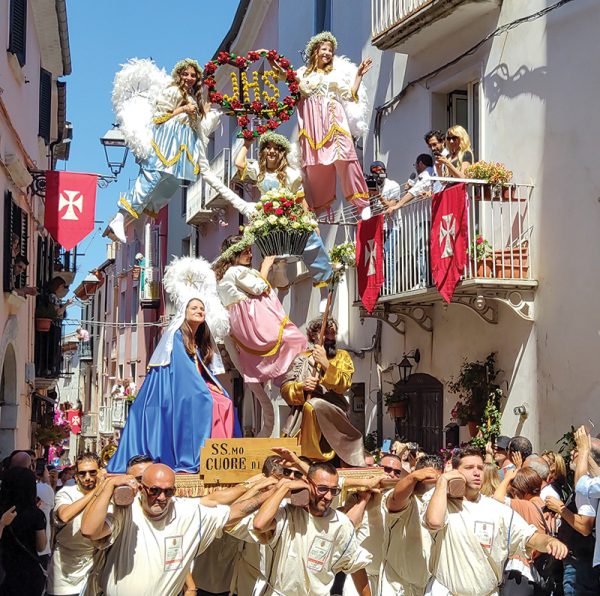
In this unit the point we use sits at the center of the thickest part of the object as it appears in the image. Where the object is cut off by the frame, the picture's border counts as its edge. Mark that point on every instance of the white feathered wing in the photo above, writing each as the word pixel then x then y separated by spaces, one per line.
pixel 135 89
pixel 355 110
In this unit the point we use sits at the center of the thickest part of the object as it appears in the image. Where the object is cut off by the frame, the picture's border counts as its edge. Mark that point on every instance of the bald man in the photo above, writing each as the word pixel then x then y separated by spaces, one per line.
pixel 540 465
pixel 20 459
pixel 155 540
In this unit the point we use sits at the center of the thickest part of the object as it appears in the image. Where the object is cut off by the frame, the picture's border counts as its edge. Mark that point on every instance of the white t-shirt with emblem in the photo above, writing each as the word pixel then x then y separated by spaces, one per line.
pixel 152 557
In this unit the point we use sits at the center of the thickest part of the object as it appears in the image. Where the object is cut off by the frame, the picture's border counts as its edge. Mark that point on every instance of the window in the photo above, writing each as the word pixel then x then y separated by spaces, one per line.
pixel 322 15
pixel 133 371
pixel 15 243
pixel 17 39
pixel 45 105
pixel 184 201
pixel 463 109
pixel 186 247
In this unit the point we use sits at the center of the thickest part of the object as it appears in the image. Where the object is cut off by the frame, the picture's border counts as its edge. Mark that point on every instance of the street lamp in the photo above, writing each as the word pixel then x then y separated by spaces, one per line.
pixel 115 149
pixel 405 367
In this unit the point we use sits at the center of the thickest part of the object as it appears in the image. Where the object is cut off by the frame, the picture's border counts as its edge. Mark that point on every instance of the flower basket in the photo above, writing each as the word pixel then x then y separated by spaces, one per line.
pixel 280 243
pixel 43 325
pixel 398 409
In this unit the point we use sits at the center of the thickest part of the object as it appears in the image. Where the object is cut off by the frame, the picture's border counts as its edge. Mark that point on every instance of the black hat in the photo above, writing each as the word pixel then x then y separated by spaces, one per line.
pixel 502 442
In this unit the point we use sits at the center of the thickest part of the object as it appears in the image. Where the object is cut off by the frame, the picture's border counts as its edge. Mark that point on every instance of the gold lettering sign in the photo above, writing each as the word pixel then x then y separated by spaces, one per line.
pixel 229 461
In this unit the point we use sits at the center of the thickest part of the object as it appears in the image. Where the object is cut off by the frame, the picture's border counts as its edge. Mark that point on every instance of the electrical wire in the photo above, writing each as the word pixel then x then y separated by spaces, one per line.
pixel 391 104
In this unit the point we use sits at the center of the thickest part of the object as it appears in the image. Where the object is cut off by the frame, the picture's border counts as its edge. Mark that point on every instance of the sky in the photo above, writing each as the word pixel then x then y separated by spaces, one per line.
pixel 102 35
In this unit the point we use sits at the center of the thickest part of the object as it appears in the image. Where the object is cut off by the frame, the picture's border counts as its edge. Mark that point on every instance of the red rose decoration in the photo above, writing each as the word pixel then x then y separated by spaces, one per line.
pixel 236 104
pixel 284 62
pixel 210 68
pixel 210 82
pixel 272 124
pixel 241 62
pixel 256 106
pixel 272 55
pixel 248 134
pixel 243 120
pixel 279 211
pixel 290 75
pixel 273 105
pixel 261 130
pixel 284 116
pixel 289 101
pixel 299 199
pixel 293 87
pixel 254 56
pixel 215 97
pixel 223 57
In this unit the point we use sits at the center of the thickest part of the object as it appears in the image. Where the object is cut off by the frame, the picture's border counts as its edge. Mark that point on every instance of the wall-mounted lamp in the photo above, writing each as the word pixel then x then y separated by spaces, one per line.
pixel 115 150
pixel 405 367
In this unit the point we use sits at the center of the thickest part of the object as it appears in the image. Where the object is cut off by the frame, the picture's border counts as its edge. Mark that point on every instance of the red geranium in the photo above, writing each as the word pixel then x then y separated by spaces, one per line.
pixel 243 120
pixel 215 97
pixel 272 55
pixel 284 62
pixel 241 62
pixel 223 57
pixel 210 82
pixel 256 106
pixel 279 211
pixel 294 87
pixel 283 116
pixel 254 56
pixel 210 68
pixel 272 124
pixel 248 134
pixel 261 130
pixel 236 104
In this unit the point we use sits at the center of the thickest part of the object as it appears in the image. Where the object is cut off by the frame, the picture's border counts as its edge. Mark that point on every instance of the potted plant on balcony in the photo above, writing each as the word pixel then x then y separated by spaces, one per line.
pixel 481 250
pixel 45 314
pixel 474 385
pixel 496 174
pixel 396 402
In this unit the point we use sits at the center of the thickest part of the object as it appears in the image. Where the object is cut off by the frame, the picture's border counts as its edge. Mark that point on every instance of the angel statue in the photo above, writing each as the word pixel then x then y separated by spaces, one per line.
pixel 332 110
pixel 166 125
pixel 181 401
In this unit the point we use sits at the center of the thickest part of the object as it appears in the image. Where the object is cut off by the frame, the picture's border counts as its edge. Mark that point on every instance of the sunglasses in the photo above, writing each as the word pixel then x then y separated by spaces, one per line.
pixel 289 473
pixel 155 491
pixel 323 490
pixel 394 471
pixel 84 473
pixel 451 138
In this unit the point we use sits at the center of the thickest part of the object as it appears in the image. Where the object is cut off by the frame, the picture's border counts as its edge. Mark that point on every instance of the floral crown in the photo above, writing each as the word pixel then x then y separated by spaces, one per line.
pixel 276 139
pixel 317 40
pixel 184 64
pixel 246 241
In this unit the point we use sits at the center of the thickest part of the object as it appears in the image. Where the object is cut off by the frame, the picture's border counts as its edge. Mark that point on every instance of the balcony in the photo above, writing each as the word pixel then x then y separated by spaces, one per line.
pixel 408 26
pixel 65 265
pixel 89 425
pixel 150 292
pixel 221 167
pixel 105 425
pixel 498 266
pixel 84 350
pixel 196 212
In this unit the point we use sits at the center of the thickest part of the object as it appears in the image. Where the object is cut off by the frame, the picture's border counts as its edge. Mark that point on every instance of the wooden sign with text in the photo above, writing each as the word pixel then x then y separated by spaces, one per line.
pixel 229 461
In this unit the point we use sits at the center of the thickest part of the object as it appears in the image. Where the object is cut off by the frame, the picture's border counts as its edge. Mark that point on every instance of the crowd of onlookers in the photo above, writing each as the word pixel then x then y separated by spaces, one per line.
pixel 507 521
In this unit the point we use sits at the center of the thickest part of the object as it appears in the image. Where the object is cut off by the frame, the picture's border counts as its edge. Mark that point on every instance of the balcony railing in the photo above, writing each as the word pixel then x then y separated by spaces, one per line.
pixel 499 240
pixel 89 425
pixel 105 426
pixel 65 265
pixel 84 350
pixel 393 22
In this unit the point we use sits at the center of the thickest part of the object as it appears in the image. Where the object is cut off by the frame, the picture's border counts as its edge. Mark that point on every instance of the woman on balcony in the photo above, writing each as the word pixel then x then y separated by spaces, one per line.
pixel 329 86
pixel 460 154
pixel 181 402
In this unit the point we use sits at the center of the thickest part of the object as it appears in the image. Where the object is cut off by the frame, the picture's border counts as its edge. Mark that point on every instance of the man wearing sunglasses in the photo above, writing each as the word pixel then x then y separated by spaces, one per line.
pixel 310 546
pixel 155 540
pixel 73 555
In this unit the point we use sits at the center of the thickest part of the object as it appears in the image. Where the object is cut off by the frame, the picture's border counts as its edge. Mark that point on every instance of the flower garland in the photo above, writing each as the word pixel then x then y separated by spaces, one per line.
pixel 270 112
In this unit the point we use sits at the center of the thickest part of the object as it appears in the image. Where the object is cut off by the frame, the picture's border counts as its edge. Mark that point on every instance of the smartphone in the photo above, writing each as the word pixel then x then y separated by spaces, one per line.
pixel 387 446
pixel 40 466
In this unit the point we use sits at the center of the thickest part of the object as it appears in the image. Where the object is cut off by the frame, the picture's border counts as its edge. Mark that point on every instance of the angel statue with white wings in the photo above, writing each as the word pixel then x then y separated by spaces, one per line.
pixel 166 125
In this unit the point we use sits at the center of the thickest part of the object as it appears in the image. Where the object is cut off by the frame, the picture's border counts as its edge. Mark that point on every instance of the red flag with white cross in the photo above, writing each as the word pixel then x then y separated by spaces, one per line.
pixel 70 206
pixel 369 260
pixel 448 241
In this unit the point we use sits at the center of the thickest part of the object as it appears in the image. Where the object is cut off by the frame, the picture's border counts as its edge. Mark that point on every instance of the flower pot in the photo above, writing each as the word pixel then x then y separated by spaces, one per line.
pixel 472 426
pixel 398 410
pixel 135 272
pixel 485 268
pixel 512 263
pixel 43 325
pixel 509 193
pixel 282 243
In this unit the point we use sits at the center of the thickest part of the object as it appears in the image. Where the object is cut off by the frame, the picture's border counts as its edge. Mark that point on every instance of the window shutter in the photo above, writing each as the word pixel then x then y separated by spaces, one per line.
pixel 17 40
pixel 45 104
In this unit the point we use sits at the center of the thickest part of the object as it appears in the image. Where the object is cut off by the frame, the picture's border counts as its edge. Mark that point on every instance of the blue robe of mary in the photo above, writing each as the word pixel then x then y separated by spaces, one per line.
pixel 171 416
